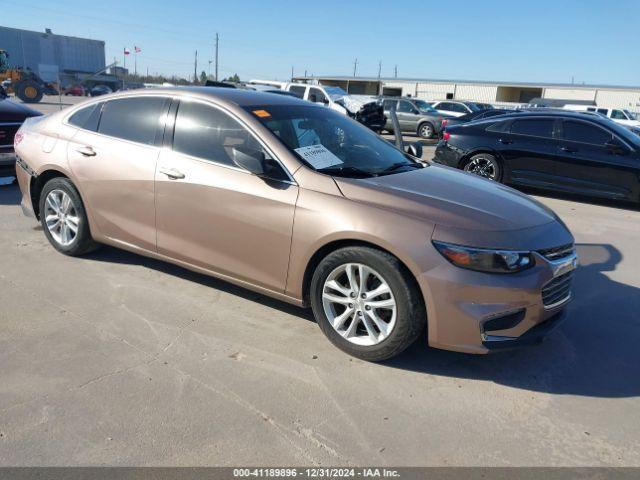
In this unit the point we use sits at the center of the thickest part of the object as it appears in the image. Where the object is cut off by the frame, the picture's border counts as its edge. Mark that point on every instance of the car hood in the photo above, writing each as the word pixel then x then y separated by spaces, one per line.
pixel 15 112
pixel 450 198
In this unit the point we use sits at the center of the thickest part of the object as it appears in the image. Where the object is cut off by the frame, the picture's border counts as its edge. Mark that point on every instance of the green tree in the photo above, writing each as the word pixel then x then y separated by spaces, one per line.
pixel 203 77
pixel 233 78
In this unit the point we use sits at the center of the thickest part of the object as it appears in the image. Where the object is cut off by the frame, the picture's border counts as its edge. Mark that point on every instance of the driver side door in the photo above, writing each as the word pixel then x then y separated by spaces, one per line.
pixel 212 214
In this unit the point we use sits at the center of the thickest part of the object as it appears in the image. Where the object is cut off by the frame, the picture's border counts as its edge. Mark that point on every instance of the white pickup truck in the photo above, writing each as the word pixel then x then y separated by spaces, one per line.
pixel 365 109
pixel 618 115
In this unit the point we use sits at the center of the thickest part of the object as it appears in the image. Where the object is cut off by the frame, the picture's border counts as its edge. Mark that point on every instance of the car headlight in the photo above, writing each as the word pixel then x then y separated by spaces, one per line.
pixel 485 260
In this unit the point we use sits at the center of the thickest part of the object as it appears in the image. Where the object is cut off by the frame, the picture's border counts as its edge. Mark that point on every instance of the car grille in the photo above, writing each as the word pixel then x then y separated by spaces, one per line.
pixel 558 290
pixel 557 253
pixel 7 132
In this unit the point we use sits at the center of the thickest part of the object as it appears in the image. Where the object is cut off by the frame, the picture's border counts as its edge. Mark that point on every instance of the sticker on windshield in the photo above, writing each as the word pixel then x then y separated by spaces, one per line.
pixel 318 156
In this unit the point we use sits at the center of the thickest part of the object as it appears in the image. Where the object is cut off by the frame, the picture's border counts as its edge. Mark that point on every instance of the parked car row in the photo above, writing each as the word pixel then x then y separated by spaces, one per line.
pixel 575 152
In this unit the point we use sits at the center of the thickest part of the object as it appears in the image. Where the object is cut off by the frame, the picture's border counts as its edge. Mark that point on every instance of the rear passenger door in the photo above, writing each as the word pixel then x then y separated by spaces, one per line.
pixel 589 163
pixel 114 154
pixel 529 150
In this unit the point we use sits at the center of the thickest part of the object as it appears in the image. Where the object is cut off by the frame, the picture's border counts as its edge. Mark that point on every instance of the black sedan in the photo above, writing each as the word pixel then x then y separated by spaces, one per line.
pixel 479 115
pixel 569 152
pixel 11 117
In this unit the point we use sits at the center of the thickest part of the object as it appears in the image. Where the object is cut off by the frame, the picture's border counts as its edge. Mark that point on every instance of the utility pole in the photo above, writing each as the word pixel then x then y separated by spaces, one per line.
pixel 355 67
pixel 305 74
pixel 396 71
pixel 217 41
pixel 292 73
pixel 195 69
pixel 379 68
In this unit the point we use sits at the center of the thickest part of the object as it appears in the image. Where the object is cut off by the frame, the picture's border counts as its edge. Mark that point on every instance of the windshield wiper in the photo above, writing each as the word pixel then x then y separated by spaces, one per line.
pixel 396 166
pixel 346 171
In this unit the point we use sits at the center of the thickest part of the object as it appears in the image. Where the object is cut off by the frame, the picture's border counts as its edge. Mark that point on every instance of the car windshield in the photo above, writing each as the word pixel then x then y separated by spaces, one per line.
pixel 631 115
pixel 332 143
pixel 334 92
pixel 424 107
pixel 474 107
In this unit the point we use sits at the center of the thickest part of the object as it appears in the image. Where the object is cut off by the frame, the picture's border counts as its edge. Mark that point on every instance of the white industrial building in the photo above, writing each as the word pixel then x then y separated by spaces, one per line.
pixel 497 93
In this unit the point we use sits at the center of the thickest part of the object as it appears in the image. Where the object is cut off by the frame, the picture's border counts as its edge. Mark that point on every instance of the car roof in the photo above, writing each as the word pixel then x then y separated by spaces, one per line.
pixel 236 96
pixel 548 113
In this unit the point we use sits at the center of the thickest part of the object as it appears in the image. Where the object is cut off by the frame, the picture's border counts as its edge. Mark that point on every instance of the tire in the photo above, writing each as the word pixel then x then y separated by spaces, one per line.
pixel 82 242
pixel 407 324
pixel 29 91
pixel 425 130
pixel 484 165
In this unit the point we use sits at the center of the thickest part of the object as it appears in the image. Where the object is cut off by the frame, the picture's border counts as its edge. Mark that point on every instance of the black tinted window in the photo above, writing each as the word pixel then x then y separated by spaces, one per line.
pixel 136 119
pixel 405 107
pixel 87 117
pixel 316 95
pixel 585 133
pixel 208 133
pixel 533 127
pixel 297 91
pixel 389 103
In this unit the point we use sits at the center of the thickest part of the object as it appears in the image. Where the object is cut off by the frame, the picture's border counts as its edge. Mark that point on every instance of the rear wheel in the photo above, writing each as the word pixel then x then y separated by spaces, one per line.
pixel 425 130
pixel 484 165
pixel 367 303
pixel 29 91
pixel 64 219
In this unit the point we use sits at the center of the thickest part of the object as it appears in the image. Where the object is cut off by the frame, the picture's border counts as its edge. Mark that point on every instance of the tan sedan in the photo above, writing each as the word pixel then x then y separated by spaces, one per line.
pixel 303 204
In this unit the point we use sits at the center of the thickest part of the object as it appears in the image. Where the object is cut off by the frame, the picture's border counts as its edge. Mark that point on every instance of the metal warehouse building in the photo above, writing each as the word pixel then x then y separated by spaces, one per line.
pixel 497 93
pixel 49 54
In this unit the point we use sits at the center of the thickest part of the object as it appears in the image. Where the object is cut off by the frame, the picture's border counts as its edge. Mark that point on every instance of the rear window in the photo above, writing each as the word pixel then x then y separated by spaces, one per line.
pixel 87 118
pixel 136 119
pixel 533 127
pixel 297 91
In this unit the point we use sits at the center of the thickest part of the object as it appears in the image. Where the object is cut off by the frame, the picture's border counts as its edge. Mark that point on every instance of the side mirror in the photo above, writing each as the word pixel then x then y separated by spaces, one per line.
pixel 415 149
pixel 614 146
pixel 251 160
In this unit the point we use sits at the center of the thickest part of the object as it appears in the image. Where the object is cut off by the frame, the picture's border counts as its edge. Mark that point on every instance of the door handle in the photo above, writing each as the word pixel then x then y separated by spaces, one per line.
pixel 569 149
pixel 86 151
pixel 172 173
pixel 505 141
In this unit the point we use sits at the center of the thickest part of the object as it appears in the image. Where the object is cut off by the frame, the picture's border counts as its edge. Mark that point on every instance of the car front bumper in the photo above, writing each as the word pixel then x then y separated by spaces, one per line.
pixel 7 164
pixel 476 312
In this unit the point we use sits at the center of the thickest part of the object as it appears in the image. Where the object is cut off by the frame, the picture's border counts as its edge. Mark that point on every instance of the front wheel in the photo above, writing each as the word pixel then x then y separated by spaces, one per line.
pixel 484 165
pixel 64 219
pixel 367 303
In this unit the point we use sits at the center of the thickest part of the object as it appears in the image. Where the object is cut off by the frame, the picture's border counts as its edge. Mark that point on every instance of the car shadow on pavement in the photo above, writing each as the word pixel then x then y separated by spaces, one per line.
pixel 115 255
pixel 595 352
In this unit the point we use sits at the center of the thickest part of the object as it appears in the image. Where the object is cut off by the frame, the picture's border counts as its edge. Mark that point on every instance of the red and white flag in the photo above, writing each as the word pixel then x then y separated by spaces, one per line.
pixel 126 51
pixel 137 49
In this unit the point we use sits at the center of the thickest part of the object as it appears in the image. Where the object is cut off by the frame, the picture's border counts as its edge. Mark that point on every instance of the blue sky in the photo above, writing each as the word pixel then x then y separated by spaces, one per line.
pixel 537 40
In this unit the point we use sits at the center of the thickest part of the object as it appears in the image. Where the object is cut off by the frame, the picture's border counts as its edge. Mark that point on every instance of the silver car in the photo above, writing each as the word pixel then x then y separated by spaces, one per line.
pixel 414 116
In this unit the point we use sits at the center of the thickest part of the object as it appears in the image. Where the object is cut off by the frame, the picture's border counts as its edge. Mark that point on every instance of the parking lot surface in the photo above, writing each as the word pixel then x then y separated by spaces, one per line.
pixel 115 359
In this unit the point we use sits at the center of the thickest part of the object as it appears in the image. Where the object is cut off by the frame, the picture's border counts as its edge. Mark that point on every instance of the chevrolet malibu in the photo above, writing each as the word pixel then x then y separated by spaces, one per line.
pixel 300 203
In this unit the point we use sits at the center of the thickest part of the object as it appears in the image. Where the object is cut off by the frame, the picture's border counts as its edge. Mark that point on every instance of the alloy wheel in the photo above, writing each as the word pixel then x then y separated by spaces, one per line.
pixel 359 304
pixel 426 131
pixel 61 217
pixel 482 166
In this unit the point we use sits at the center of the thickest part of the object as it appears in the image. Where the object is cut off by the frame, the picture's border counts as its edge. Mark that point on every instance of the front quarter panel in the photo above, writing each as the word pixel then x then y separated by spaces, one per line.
pixel 323 218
